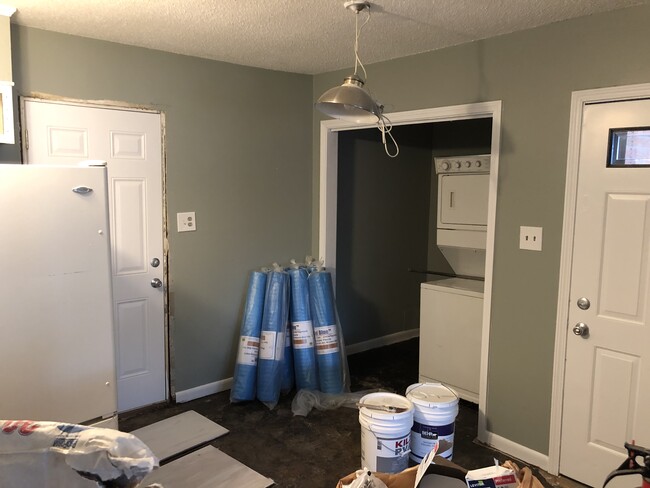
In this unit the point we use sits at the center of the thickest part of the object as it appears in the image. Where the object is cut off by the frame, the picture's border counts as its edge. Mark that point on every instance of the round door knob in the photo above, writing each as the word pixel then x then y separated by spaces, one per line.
pixel 581 329
pixel 156 283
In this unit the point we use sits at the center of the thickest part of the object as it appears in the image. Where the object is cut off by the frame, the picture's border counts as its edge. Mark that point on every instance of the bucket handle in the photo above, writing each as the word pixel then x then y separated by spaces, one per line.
pixel 423 384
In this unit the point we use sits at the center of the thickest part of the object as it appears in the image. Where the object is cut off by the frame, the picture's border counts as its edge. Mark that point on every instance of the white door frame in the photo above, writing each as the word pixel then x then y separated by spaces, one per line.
pixel 109 104
pixel 578 101
pixel 328 202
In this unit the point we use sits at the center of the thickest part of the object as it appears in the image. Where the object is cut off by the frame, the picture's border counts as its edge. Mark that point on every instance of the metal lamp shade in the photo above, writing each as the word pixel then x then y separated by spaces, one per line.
pixel 349 101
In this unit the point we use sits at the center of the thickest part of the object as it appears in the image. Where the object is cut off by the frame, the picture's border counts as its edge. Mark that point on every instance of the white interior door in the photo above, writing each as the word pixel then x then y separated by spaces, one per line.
pixel 607 382
pixel 130 141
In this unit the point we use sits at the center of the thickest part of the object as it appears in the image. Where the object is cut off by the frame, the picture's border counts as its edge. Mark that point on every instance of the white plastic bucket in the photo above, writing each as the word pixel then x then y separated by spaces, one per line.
pixel 435 409
pixel 385 432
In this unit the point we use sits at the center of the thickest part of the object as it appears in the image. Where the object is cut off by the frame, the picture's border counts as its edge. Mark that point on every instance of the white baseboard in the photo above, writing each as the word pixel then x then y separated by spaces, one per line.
pixel 203 390
pixel 226 384
pixel 517 451
pixel 386 340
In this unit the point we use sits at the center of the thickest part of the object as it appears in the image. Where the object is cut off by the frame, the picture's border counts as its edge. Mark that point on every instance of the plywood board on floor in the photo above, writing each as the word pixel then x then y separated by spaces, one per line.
pixel 178 434
pixel 207 468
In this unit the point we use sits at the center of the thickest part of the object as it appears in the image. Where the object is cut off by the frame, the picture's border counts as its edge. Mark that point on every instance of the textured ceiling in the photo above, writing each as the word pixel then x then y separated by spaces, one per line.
pixel 302 36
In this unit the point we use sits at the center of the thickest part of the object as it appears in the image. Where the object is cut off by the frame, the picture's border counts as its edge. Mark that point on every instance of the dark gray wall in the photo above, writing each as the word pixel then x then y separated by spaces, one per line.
pixel 238 153
pixel 382 229
pixel 534 73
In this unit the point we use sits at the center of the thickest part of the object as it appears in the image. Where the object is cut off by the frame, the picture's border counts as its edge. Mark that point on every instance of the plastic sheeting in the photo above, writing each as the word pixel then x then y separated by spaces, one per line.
pixel 306 400
pixel 329 344
pixel 274 322
pixel 302 329
pixel 245 376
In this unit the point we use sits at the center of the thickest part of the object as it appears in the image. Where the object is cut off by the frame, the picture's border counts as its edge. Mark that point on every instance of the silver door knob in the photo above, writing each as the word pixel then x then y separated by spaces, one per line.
pixel 156 283
pixel 583 303
pixel 581 329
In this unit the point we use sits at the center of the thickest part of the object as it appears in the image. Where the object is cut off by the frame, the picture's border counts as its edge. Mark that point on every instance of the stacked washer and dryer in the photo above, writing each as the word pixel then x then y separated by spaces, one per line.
pixel 451 308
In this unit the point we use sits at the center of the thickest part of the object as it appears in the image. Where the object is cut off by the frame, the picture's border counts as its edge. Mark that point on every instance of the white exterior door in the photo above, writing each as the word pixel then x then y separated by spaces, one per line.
pixel 607 379
pixel 131 142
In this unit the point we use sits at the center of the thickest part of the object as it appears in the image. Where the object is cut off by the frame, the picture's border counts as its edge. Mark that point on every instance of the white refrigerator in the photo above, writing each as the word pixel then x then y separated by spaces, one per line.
pixel 57 353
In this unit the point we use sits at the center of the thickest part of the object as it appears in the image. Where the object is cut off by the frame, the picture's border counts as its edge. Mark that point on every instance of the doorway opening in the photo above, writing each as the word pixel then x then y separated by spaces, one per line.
pixel 329 223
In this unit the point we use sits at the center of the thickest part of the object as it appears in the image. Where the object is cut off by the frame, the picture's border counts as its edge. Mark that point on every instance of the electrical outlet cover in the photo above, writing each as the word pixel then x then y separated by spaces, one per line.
pixel 186 221
pixel 530 238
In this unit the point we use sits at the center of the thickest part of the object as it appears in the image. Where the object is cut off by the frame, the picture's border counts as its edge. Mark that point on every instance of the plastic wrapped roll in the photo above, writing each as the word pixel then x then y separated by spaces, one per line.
pixel 302 330
pixel 274 322
pixel 326 332
pixel 245 377
pixel 287 359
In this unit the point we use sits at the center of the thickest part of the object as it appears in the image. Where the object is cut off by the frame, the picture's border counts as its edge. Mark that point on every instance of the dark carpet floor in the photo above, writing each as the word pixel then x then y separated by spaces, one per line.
pixel 319 449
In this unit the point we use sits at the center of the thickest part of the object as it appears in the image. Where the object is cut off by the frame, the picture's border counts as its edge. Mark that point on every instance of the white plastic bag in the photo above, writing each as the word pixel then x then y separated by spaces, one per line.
pixel 365 479
pixel 53 454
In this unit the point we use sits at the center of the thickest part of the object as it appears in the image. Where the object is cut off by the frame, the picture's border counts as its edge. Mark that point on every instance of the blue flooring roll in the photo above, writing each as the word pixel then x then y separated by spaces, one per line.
pixel 328 344
pixel 245 376
pixel 302 330
pixel 287 360
pixel 274 322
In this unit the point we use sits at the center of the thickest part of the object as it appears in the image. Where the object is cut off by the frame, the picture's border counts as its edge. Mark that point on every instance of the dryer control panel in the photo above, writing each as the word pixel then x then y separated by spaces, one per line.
pixel 463 164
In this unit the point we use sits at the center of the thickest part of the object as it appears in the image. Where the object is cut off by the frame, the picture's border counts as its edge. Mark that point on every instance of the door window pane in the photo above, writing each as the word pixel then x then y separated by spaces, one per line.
pixel 629 147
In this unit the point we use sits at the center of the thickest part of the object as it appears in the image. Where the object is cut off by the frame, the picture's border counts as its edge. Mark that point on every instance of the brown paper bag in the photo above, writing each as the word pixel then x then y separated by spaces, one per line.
pixel 524 476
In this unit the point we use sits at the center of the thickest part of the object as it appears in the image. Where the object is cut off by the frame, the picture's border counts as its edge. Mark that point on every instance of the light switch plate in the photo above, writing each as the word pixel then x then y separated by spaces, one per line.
pixel 530 238
pixel 186 221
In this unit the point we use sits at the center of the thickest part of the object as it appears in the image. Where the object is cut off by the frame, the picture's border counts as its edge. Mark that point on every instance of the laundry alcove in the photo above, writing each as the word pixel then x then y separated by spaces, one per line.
pixel 386 211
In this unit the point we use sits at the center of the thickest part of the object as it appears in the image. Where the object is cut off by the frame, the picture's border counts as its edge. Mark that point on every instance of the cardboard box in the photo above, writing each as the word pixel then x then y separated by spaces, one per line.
pixel 491 477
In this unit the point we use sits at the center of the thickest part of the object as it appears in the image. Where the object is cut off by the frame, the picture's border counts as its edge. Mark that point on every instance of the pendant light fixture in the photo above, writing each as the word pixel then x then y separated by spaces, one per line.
pixel 351 100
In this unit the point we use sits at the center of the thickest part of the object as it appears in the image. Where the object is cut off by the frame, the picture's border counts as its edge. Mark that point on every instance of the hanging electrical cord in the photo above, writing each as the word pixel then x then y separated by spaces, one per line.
pixel 357 30
pixel 383 123
pixel 385 126
pixel 352 100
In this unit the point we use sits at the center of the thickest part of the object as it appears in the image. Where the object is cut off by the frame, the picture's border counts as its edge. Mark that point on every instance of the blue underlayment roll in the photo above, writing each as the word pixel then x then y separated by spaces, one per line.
pixel 302 330
pixel 287 359
pixel 328 343
pixel 245 377
pixel 274 322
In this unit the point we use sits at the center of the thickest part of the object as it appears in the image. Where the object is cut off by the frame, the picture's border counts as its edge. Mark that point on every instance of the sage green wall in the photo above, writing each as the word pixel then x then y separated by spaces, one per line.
pixel 238 153
pixel 534 73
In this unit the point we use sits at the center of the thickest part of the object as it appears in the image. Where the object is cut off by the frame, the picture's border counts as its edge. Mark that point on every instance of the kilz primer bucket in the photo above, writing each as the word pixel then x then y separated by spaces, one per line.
pixel 434 415
pixel 386 420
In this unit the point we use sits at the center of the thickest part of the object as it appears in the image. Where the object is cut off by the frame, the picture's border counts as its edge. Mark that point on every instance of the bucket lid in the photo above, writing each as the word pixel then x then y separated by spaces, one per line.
pixel 385 405
pixel 432 395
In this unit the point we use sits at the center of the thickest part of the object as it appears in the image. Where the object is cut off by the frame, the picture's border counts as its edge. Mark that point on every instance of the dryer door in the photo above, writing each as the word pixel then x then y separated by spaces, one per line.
pixel 462 200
